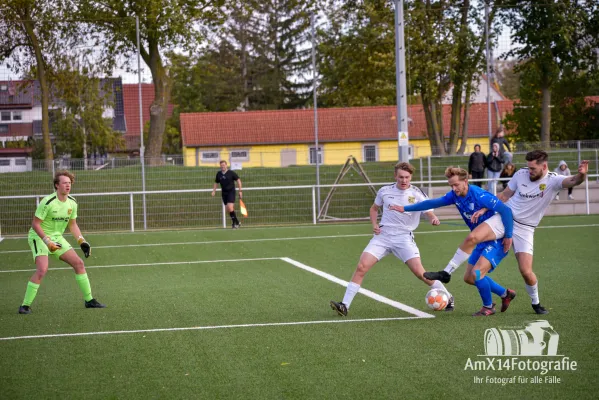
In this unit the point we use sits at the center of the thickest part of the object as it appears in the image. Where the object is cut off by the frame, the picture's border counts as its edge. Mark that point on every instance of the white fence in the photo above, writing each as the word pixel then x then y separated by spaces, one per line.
pixel 277 205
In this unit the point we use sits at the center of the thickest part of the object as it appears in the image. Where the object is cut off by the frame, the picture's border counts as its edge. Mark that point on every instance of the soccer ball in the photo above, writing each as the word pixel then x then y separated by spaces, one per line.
pixel 437 299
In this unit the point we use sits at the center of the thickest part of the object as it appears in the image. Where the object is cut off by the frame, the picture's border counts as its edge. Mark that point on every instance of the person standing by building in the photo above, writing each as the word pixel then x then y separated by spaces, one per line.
pixel 499 138
pixel 494 163
pixel 227 179
pixel 562 169
pixel 476 165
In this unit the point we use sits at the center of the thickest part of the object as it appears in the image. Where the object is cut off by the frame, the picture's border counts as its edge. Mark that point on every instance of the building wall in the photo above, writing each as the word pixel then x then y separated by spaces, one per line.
pixel 333 153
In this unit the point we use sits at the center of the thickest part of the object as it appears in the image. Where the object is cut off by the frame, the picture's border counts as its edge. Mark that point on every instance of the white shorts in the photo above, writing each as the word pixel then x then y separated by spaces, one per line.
pixel 402 245
pixel 496 225
pixel 523 238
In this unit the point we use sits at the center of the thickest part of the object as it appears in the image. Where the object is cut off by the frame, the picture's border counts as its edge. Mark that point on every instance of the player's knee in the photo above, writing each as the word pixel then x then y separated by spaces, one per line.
pixel 469 279
pixel 362 269
pixel 471 239
pixel 78 265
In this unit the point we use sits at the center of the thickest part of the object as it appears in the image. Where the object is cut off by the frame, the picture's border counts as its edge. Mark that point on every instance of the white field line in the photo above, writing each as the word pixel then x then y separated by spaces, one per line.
pixel 199 328
pixel 286 239
pixel 153 264
pixel 365 292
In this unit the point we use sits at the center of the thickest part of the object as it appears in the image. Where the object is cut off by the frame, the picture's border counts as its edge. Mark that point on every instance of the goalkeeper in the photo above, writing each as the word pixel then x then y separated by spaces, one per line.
pixel 54 213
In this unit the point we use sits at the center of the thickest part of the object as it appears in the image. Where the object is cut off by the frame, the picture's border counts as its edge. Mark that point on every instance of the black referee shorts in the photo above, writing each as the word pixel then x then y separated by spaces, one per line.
pixel 228 197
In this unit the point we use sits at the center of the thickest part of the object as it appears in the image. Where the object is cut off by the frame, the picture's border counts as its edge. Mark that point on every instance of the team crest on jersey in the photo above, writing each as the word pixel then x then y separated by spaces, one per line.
pixel 69 211
pixel 542 186
pixel 411 199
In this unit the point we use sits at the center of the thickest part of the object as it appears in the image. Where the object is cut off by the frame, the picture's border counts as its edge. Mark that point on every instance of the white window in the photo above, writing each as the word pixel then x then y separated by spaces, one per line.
pixel 5 115
pixel 20 161
pixel 240 155
pixel 5 163
pixel 370 153
pixel 3 87
pixel 313 155
pixel 4 128
pixel 17 115
pixel 210 156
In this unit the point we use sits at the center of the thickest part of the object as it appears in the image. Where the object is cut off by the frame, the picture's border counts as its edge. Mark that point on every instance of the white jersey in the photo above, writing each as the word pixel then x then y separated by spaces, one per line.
pixel 391 195
pixel 531 199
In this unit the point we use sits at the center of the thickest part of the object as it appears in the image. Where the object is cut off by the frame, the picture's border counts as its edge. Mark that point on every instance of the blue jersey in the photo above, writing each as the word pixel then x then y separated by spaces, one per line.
pixel 476 199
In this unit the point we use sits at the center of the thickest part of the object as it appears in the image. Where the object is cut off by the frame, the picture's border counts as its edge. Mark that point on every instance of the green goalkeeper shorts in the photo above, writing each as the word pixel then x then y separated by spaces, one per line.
pixel 39 248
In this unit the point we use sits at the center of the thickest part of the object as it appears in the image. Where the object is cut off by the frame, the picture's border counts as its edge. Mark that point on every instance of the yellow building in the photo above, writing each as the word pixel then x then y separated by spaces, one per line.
pixel 287 137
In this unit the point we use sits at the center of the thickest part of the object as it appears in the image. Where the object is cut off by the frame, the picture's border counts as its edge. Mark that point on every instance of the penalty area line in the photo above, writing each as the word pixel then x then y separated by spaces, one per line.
pixel 365 292
pixel 201 328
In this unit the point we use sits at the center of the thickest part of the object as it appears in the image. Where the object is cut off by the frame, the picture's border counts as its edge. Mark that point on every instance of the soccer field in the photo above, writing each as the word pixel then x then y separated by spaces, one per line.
pixel 245 314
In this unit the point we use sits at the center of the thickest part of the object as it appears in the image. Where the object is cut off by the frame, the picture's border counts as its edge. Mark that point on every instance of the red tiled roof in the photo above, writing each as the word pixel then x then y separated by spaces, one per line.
pixel 334 125
pixel 131 103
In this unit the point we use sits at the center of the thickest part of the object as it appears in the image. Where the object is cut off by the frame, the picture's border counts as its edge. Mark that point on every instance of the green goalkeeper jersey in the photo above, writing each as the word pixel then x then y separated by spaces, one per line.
pixel 55 215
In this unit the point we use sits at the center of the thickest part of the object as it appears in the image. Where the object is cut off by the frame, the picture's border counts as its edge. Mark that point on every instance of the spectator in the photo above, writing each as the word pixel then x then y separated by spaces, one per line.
pixel 562 169
pixel 494 162
pixel 476 165
pixel 508 171
pixel 500 139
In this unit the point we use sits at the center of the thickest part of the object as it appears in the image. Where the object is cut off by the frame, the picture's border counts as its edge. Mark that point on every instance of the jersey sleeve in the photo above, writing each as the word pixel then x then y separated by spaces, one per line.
pixel 234 176
pixel 556 181
pixel 493 203
pixel 420 197
pixel 379 198
pixel 513 183
pixel 429 204
pixel 74 212
pixel 216 179
pixel 42 210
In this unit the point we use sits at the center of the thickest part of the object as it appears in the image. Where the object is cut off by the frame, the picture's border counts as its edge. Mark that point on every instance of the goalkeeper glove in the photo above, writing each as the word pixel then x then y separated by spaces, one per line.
pixel 85 247
pixel 52 245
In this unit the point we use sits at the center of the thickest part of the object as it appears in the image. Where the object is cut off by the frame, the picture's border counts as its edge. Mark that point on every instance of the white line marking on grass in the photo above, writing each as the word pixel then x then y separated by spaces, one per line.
pixel 153 264
pixel 200 328
pixel 365 292
pixel 288 238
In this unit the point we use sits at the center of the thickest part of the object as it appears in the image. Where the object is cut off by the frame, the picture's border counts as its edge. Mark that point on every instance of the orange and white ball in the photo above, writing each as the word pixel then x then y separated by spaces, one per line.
pixel 437 299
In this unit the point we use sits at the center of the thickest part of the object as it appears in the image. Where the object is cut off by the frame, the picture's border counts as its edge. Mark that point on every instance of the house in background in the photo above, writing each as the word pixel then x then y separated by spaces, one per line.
pixel 131 99
pixel 286 137
pixel 21 116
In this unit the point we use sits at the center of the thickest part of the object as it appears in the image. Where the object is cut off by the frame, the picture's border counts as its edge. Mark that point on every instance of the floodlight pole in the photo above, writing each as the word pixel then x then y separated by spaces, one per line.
pixel 400 79
pixel 489 124
pixel 314 84
pixel 142 155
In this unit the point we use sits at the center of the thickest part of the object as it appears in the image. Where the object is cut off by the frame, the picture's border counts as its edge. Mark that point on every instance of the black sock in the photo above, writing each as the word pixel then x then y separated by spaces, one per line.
pixel 234 217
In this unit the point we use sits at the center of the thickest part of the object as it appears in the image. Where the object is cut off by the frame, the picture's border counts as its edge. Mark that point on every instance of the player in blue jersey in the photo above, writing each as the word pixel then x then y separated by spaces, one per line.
pixel 483 240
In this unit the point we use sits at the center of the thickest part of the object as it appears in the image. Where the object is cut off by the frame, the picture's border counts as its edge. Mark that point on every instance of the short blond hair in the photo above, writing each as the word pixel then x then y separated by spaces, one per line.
pixel 63 173
pixel 455 171
pixel 404 166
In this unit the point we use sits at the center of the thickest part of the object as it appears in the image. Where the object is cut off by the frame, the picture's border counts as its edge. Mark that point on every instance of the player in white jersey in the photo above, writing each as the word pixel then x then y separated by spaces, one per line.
pixel 392 235
pixel 528 194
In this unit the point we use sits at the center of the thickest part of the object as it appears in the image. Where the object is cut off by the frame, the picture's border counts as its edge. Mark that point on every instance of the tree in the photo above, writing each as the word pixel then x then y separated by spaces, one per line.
pixel 33 34
pixel 552 37
pixel 80 124
pixel 163 25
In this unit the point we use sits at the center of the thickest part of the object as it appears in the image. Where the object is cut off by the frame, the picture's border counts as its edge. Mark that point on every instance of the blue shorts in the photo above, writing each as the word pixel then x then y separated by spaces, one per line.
pixel 491 250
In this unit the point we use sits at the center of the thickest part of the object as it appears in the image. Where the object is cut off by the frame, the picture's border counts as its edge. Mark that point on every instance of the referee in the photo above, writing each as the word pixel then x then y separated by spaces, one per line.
pixel 227 179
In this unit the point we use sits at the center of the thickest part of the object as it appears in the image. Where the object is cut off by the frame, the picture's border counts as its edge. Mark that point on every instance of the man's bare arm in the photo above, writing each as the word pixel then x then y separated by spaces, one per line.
pixel 577 179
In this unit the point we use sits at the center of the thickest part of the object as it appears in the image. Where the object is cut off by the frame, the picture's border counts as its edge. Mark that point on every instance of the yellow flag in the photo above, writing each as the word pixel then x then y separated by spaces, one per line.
pixel 244 210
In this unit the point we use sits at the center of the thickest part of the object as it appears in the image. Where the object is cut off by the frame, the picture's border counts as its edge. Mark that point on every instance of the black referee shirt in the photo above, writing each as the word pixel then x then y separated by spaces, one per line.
pixel 226 180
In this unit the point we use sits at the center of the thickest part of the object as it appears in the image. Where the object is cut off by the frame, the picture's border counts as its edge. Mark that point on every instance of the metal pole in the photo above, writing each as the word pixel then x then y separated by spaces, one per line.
pixel 421 171
pixel 142 155
pixel 314 205
pixel 586 192
pixel 578 147
pixel 224 217
pixel 131 212
pixel 314 83
pixel 490 128
pixel 430 186
pixel 597 164
pixel 400 84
